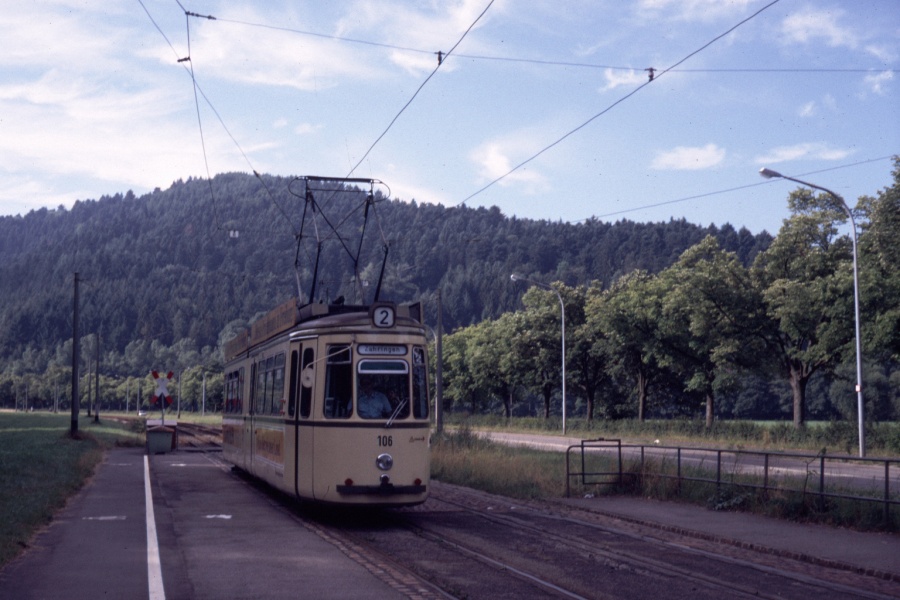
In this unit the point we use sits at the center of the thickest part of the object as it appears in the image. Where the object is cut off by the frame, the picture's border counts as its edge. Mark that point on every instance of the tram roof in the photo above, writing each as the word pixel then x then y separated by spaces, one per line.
pixel 288 315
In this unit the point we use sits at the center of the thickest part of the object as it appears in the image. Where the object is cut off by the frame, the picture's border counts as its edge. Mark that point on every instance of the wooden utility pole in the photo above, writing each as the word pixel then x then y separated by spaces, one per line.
pixel 439 368
pixel 76 358
pixel 97 380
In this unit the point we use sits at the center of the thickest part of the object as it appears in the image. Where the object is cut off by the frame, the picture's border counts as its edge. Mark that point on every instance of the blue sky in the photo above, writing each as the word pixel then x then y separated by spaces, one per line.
pixel 93 101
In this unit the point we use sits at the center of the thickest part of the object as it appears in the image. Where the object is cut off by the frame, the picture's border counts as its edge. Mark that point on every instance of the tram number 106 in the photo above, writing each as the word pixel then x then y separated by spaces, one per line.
pixel 385 440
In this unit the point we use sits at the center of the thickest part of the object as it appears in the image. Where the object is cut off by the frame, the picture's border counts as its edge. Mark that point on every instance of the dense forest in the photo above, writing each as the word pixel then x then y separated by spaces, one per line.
pixel 709 335
pixel 167 277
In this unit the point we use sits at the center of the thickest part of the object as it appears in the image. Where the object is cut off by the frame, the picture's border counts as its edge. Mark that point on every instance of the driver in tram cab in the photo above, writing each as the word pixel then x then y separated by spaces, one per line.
pixel 371 403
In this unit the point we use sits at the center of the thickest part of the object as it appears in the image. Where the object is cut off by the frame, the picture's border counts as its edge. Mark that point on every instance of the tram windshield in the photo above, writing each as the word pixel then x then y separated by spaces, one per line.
pixel 382 389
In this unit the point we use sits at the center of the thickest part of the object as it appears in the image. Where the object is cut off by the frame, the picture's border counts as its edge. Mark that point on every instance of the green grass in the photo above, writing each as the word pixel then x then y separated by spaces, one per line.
pixel 837 437
pixel 41 466
pixel 463 458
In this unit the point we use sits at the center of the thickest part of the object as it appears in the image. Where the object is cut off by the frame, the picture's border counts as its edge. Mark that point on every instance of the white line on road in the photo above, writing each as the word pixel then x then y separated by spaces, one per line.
pixel 154 568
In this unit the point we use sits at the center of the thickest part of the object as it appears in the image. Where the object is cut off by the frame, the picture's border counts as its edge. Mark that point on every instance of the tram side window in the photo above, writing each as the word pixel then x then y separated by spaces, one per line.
pixel 259 393
pixel 338 382
pixel 270 379
pixel 292 388
pixel 306 392
pixel 234 391
pixel 277 391
pixel 420 383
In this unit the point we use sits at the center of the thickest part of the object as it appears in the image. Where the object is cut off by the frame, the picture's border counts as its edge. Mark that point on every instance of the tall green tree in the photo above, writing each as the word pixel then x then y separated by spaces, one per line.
pixel 587 357
pixel 624 321
pixel 494 367
pixel 879 246
pixel 709 321
pixel 805 278
pixel 539 340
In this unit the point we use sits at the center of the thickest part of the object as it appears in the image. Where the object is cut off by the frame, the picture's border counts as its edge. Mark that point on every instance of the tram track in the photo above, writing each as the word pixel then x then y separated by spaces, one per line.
pixel 472 546
pixel 463 543
pixel 198 436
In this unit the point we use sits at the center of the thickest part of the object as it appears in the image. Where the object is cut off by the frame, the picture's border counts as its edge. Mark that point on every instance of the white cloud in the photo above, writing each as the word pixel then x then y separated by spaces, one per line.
pixel 876 82
pixel 883 52
pixel 807 110
pixel 808 25
pixel 306 128
pixel 433 25
pixel 804 151
pixel 617 78
pixel 278 58
pixel 494 160
pixel 685 158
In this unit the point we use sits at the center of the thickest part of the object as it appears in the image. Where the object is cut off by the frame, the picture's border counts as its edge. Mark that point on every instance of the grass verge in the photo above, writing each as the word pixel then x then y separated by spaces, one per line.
pixel 41 466
pixel 464 458
pixel 882 439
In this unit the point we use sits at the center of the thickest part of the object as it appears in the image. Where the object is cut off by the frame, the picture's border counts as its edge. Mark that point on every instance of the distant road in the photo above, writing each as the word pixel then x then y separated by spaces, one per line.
pixel 840 473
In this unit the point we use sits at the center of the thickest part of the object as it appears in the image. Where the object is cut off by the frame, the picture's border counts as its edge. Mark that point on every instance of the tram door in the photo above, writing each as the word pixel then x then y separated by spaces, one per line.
pixel 302 402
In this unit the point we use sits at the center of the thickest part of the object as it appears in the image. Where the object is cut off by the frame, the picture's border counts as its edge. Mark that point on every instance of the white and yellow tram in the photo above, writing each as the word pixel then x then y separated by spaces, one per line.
pixel 330 403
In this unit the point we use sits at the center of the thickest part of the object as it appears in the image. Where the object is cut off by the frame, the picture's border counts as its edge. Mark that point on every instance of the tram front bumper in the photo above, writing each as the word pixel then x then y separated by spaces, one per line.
pixel 383 489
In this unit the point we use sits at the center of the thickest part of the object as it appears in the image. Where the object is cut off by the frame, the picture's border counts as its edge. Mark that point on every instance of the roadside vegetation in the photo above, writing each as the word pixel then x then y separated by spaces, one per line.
pixel 41 466
pixel 835 437
pixel 461 457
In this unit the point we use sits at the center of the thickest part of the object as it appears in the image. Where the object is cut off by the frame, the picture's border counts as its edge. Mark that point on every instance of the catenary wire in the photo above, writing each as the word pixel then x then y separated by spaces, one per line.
pixel 616 103
pixel 536 61
pixel 725 191
pixel 419 89
pixel 553 63
pixel 198 89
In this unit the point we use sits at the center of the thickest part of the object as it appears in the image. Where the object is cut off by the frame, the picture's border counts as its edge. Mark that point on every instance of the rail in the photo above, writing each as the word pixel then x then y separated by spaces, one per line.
pixel 820 475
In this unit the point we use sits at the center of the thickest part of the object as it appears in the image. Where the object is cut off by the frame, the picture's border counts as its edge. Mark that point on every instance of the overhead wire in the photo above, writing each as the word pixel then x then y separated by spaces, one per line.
pixel 725 191
pixel 650 80
pixel 442 56
pixel 197 88
pixel 537 61
pixel 441 59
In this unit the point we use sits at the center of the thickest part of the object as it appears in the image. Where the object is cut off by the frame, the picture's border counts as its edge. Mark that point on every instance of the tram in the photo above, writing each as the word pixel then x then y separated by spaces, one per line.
pixel 328 401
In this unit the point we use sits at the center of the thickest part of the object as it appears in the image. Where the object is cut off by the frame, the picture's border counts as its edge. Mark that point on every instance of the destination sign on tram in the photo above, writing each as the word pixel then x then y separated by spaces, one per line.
pixel 382 349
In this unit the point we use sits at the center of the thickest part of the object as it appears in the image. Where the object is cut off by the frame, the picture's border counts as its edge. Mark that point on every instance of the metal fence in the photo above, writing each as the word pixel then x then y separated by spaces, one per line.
pixel 870 480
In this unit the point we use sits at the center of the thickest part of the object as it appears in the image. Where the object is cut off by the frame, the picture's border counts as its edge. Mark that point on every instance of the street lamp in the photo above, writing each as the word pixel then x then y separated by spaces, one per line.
pixel 562 311
pixel 769 174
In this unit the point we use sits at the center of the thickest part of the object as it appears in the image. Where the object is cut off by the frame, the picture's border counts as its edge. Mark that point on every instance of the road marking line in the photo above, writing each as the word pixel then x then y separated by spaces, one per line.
pixel 154 568
pixel 106 518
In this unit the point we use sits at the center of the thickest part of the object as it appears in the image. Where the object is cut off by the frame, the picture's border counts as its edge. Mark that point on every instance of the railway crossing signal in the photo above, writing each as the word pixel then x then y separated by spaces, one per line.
pixel 161 384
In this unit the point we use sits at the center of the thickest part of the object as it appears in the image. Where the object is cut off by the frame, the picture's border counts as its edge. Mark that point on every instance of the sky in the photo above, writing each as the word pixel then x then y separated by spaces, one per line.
pixel 543 108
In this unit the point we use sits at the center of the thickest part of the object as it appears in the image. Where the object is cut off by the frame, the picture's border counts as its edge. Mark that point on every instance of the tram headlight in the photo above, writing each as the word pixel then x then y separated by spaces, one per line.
pixel 384 462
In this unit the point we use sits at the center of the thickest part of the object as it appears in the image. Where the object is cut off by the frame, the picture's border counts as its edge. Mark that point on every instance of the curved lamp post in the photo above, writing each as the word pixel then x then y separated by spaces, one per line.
pixel 562 311
pixel 769 174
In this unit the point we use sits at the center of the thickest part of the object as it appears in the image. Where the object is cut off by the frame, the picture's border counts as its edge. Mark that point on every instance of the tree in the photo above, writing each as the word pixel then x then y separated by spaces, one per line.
pixel 459 383
pixel 624 323
pixel 587 356
pixel 805 278
pixel 540 341
pixel 709 320
pixel 493 364
pixel 879 243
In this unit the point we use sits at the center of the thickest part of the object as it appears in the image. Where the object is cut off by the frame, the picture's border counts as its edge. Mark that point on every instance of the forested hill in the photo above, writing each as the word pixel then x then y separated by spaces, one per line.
pixel 168 267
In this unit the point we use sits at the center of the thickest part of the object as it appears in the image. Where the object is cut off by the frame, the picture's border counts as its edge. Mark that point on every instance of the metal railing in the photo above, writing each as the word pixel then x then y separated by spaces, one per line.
pixel 820 475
